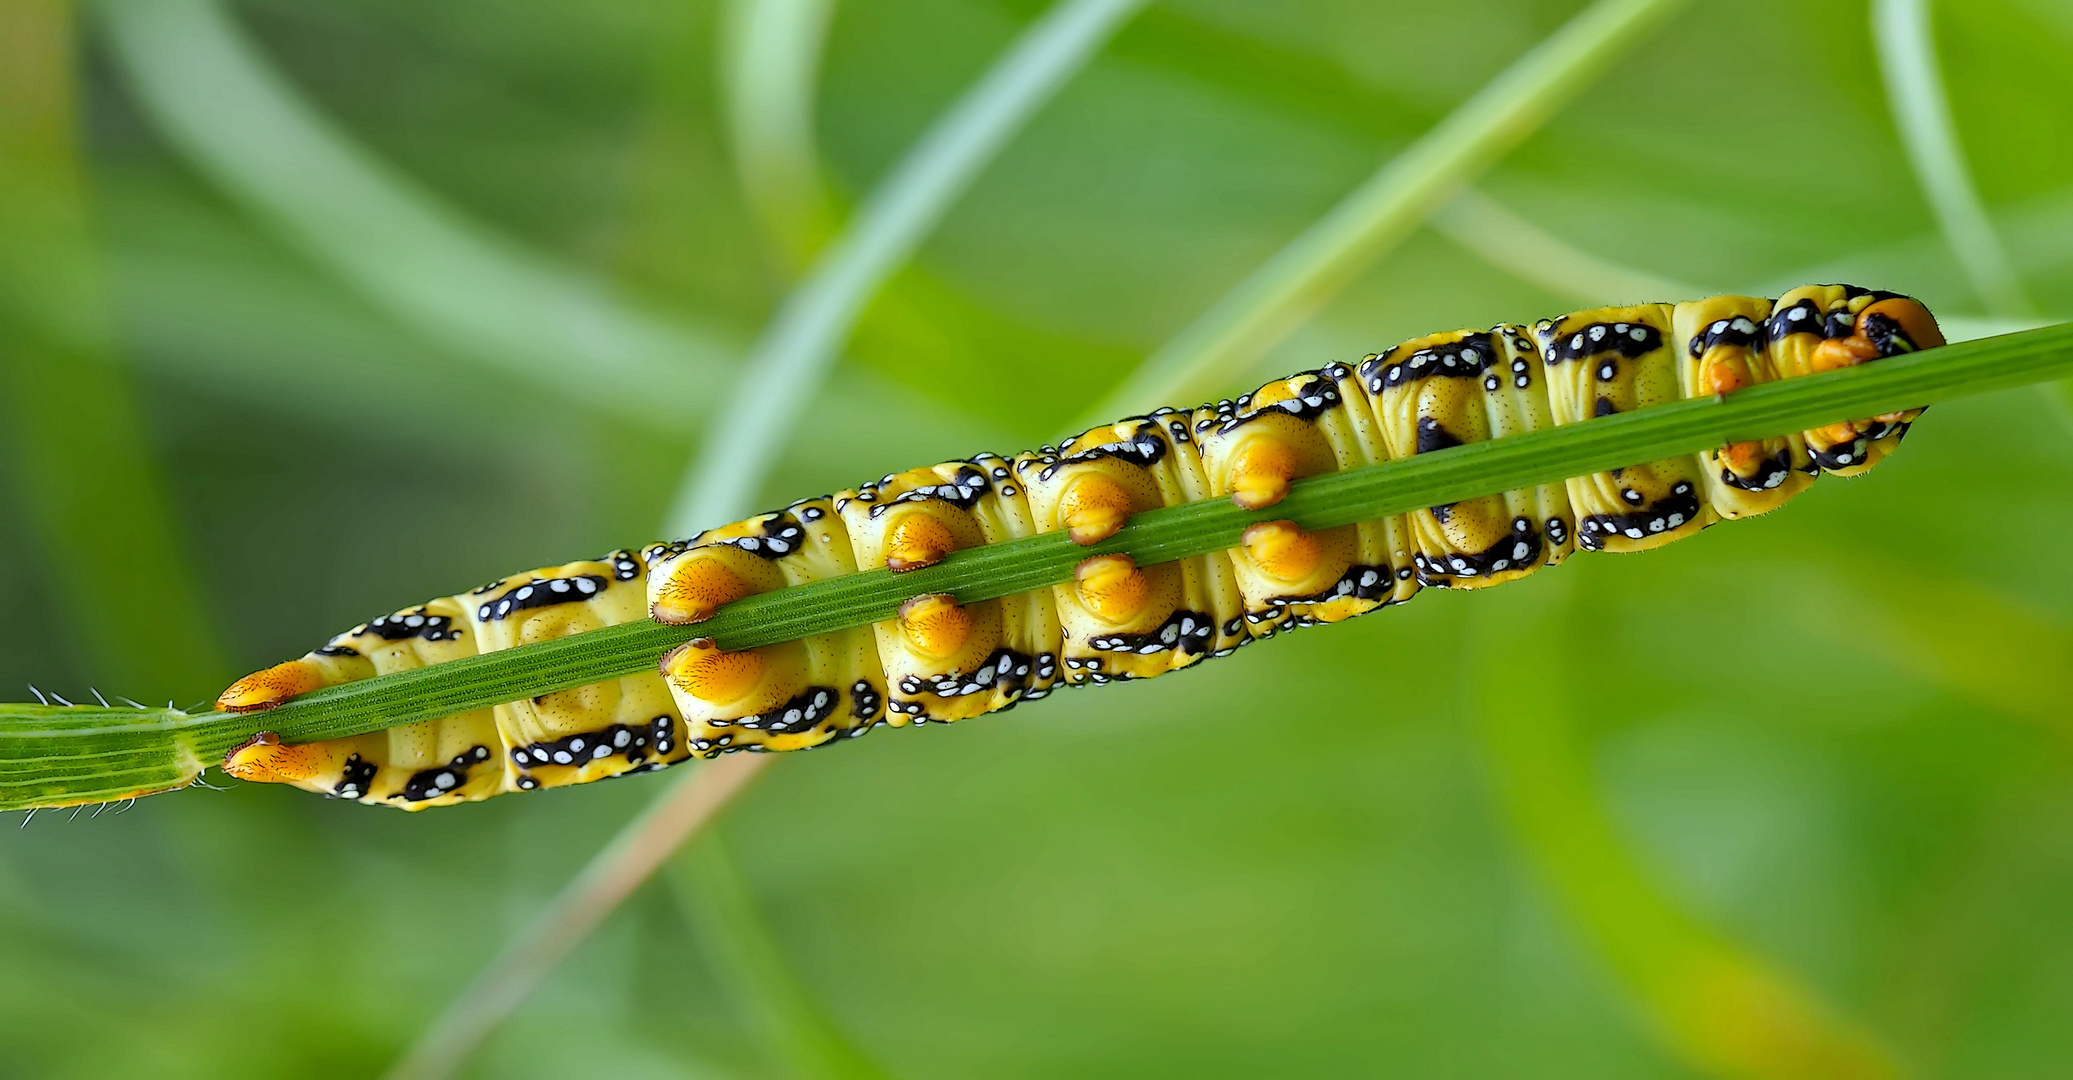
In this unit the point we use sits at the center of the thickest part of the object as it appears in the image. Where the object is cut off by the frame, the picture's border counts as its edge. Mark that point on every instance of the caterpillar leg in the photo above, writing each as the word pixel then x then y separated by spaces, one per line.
pixel 943 661
pixel 1306 425
pixel 413 766
pixel 782 697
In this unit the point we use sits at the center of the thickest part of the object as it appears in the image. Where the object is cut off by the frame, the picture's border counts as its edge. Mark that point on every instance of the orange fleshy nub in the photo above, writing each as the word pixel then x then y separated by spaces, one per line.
pixel 695 588
pixel 1111 588
pixel 1745 458
pixel 268 688
pixel 1260 473
pixel 1282 550
pixel 917 540
pixel 935 626
pixel 265 760
pixel 1093 508
pixel 703 670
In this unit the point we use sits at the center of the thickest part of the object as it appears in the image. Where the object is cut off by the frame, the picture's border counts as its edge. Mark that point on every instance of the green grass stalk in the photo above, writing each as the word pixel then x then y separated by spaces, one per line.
pixel 54 755
pixel 1209 354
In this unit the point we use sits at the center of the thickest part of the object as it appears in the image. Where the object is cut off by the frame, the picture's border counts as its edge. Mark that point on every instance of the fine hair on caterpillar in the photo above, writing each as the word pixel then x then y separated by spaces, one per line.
pixel 939 661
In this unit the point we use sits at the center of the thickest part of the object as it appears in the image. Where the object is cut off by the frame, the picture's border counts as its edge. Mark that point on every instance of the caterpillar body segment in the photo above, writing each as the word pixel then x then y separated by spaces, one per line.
pixel 1616 360
pixel 565 737
pixel 1306 425
pixel 1724 351
pixel 945 662
pixel 1118 620
pixel 1444 390
pixel 939 660
pixel 788 696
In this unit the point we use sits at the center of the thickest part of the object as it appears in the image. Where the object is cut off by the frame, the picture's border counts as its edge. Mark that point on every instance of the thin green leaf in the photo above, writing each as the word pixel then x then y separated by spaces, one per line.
pixel 1922 111
pixel 792 356
pixel 1711 1000
pixel 721 910
pixel 114 562
pixel 42 762
pixel 1202 359
pixel 239 120
pixel 1490 230
pixel 770 70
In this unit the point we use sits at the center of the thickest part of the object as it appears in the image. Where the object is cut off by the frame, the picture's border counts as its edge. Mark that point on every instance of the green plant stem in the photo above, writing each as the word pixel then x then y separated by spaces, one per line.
pixel 112 560
pixel 57 755
pixel 1723 1008
pixel 758 981
pixel 792 357
pixel 1922 111
pixel 214 96
pixel 1202 359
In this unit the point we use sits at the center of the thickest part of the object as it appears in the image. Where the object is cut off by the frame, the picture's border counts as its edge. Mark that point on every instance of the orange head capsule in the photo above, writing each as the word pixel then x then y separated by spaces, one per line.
pixel 1899 324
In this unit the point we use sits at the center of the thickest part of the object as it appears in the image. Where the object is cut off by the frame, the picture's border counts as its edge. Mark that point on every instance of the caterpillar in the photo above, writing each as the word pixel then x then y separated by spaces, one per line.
pixel 939 661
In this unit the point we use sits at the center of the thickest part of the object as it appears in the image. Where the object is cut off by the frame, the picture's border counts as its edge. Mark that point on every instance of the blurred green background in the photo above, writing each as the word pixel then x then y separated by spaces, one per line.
pixel 1792 798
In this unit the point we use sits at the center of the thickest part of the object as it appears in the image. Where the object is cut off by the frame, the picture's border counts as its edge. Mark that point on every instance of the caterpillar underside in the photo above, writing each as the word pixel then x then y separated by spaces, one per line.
pixel 940 661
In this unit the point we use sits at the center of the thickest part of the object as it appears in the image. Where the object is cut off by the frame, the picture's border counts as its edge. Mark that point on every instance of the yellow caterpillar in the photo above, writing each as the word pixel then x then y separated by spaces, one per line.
pixel 941 661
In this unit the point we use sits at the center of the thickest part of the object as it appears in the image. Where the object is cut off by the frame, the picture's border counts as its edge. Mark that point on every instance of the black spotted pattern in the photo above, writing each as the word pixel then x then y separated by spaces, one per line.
pixel 635 743
pixel 416 623
pixel 1666 514
pixel 444 779
pixel 1624 339
pixel 542 592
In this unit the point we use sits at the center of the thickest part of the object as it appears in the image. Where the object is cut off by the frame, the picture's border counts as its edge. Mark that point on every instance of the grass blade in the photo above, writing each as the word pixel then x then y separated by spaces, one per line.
pixel 770 72
pixel 115 563
pixel 1922 112
pixel 796 349
pixel 205 85
pixel 1490 230
pixel 609 878
pixel 1713 1002
pixel 1201 360
pixel 34 750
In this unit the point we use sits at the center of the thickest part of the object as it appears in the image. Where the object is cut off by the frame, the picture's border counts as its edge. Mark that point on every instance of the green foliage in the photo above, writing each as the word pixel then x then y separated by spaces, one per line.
pixel 92 754
pixel 1833 737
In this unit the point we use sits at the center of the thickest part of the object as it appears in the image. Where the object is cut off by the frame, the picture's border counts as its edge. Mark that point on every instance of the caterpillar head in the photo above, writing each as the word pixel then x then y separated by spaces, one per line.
pixel 1887 326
